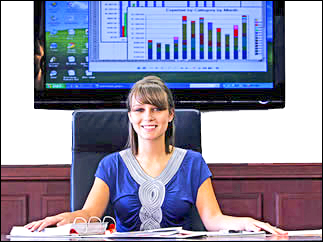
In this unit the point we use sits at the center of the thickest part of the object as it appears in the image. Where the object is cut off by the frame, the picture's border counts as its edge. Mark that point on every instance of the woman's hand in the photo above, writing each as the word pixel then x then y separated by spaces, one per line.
pixel 213 219
pixel 60 219
pixel 95 205
pixel 250 224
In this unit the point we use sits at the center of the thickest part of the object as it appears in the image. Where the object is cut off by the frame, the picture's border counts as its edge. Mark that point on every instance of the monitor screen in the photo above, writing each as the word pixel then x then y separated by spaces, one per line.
pixel 211 54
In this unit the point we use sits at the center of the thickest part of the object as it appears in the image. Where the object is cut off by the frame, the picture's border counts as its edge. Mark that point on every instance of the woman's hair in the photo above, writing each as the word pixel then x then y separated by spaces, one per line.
pixel 152 90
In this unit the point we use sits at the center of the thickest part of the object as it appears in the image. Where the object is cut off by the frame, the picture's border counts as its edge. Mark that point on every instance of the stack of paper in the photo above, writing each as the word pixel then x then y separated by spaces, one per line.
pixel 74 229
pixel 169 233
pixel 305 232
pixel 234 233
pixel 166 233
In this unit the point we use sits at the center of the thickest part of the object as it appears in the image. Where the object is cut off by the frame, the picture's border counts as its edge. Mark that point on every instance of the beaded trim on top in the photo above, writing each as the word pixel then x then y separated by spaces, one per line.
pixel 152 190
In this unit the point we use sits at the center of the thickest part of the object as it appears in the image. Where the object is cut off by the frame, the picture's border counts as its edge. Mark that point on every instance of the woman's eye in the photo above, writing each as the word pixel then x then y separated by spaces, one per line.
pixel 142 110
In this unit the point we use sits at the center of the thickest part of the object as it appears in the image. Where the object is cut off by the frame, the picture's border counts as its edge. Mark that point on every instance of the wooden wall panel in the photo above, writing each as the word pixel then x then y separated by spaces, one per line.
pixel 306 208
pixel 45 190
pixel 268 188
pixel 285 195
pixel 13 211
pixel 54 204
pixel 243 204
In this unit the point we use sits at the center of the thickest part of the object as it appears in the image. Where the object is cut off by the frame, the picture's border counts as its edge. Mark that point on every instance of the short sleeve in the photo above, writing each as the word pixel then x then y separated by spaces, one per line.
pixel 107 170
pixel 200 172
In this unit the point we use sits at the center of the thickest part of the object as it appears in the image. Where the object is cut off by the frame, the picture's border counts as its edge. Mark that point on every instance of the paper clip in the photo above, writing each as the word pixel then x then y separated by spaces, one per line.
pixel 111 228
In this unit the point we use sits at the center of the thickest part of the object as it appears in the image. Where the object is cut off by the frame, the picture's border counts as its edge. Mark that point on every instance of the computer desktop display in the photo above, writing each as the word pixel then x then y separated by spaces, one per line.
pixel 211 54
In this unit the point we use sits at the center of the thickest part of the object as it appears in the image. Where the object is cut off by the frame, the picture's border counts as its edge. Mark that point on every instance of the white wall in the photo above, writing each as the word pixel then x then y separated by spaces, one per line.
pixel 289 135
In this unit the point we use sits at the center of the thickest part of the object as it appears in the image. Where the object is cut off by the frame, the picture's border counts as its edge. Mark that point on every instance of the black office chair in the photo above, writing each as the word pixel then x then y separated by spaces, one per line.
pixel 97 133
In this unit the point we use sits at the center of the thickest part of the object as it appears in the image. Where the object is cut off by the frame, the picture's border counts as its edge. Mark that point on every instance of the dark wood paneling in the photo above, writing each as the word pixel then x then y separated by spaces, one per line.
pixel 285 195
pixel 266 170
pixel 46 190
pixel 52 205
pixel 269 188
pixel 35 172
pixel 219 171
pixel 13 211
pixel 243 204
pixel 306 208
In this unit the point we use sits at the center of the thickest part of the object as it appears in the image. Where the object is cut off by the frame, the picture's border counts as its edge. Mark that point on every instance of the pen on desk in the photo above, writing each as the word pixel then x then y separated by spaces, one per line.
pixel 171 229
pixel 232 231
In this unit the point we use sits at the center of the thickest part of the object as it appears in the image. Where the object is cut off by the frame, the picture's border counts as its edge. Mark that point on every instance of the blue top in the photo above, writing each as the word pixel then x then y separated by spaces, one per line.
pixel 177 199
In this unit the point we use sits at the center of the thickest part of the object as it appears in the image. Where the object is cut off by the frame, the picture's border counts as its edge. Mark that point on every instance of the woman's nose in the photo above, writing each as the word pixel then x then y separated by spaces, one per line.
pixel 148 115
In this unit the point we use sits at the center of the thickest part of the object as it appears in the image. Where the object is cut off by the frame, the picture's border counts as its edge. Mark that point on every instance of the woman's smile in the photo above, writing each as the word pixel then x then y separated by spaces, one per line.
pixel 149 127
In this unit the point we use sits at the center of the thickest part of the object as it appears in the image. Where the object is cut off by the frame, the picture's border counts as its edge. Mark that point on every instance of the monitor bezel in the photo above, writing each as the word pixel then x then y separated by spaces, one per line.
pixel 202 99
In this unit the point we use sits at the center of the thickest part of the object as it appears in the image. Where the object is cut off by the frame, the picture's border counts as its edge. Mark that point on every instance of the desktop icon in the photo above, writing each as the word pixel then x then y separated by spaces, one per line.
pixel 53 59
pixel 53 46
pixel 71 32
pixel 71 45
pixel 53 18
pixel 53 32
pixel 69 19
pixel 71 58
pixel 71 72
pixel 53 73
pixel 88 73
pixel 70 4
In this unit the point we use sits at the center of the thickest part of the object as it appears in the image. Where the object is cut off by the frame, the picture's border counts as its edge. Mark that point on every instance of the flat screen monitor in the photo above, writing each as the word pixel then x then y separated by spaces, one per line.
pixel 212 54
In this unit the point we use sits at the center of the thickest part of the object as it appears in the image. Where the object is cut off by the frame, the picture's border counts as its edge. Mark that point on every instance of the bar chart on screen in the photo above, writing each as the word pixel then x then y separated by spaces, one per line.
pixel 210 34
pixel 196 33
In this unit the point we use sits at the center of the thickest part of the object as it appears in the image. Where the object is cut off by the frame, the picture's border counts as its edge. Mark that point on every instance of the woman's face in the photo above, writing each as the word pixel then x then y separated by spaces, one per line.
pixel 149 122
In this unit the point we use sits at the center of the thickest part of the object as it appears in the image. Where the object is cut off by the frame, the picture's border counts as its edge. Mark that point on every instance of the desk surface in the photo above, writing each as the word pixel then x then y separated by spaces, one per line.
pixel 222 238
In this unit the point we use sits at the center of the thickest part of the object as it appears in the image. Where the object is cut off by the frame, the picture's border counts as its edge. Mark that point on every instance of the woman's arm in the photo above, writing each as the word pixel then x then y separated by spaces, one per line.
pixel 95 205
pixel 214 220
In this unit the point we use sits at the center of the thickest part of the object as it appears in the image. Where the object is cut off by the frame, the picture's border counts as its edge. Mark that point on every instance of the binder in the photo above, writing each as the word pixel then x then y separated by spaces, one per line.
pixel 72 229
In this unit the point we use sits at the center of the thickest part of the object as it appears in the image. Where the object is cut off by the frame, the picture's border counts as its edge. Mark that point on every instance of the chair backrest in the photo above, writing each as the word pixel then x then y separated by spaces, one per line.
pixel 97 133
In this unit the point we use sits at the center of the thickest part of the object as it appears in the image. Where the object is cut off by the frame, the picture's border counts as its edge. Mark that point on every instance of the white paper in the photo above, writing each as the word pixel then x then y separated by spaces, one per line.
pixel 47 232
pixel 305 232
pixel 226 233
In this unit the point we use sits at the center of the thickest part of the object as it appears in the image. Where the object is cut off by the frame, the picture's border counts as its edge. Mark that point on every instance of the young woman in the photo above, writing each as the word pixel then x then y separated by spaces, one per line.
pixel 152 183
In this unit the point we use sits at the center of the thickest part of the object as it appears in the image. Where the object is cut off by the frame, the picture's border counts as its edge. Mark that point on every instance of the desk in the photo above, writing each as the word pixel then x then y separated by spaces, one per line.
pixel 223 238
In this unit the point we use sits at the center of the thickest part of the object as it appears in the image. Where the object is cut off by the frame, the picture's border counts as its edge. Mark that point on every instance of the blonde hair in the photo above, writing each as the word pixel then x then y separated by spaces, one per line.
pixel 152 90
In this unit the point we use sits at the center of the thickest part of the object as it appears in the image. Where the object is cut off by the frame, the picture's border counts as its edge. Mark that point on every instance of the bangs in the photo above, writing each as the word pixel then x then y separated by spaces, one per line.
pixel 151 94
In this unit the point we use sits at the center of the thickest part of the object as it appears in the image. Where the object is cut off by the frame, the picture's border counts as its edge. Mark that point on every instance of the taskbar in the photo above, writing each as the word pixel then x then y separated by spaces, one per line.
pixel 169 85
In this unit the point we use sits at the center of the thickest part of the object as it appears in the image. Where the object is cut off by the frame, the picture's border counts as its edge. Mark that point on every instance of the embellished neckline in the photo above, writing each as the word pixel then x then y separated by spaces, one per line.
pixel 140 176
pixel 145 174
